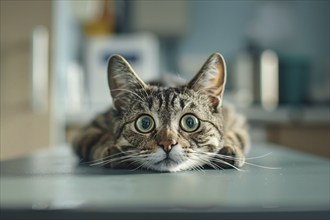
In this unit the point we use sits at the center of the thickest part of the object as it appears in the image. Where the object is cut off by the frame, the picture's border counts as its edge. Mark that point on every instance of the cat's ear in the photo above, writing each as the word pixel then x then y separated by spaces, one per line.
pixel 123 81
pixel 211 79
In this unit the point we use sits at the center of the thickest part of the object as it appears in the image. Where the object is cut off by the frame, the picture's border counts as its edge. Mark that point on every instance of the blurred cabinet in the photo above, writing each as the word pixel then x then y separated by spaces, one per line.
pixel 314 139
pixel 25 110
pixel 306 128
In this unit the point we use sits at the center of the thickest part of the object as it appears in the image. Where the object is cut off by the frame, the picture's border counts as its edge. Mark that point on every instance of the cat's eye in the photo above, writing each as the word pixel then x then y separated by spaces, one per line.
pixel 144 124
pixel 189 123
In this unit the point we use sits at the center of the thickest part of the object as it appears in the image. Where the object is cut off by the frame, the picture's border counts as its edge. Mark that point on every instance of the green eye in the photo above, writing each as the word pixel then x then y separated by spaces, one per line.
pixel 189 123
pixel 144 124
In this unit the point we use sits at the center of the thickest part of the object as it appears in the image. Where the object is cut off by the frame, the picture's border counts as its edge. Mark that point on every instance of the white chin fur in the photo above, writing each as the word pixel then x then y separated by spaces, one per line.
pixel 175 167
pixel 179 161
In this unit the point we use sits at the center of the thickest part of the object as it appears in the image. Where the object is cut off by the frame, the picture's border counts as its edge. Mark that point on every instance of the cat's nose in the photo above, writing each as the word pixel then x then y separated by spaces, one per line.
pixel 167 145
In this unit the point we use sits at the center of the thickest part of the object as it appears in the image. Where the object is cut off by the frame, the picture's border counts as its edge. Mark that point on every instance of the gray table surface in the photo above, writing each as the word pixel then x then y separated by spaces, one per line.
pixel 53 180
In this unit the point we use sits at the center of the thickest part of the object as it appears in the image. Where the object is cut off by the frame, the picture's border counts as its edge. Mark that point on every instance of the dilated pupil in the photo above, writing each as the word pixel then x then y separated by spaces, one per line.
pixel 190 122
pixel 145 123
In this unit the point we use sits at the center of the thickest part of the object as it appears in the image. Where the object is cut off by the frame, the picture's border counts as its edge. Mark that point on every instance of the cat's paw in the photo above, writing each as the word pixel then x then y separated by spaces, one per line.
pixel 232 156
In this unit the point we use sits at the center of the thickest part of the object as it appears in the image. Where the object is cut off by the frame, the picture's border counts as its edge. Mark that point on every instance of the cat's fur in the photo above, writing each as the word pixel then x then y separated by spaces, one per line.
pixel 112 139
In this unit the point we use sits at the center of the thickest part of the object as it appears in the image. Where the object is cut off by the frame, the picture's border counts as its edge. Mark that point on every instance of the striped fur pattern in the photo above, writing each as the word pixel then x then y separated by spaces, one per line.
pixel 219 139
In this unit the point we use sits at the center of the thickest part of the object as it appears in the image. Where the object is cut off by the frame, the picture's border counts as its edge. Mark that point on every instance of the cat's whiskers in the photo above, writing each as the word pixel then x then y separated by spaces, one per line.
pixel 261 166
pixel 258 157
pixel 146 163
pixel 220 157
pixel 197 166
pixel 133 158
pixel 226 163
pixel 213 157
pixel 133 163
pixel 207 160
pixel 139 161
pixel 115 159
pixel 149 163
pixel 138 167
pixel 196 162
pixel 237 158
pixel 107 157
pixel 211 164
pixel 122 161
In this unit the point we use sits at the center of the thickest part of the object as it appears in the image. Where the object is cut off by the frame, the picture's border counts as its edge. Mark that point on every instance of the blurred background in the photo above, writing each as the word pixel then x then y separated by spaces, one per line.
pixel 54 53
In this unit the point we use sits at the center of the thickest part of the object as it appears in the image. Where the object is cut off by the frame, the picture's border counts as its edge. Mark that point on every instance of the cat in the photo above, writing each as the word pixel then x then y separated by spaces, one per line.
pixel 166 129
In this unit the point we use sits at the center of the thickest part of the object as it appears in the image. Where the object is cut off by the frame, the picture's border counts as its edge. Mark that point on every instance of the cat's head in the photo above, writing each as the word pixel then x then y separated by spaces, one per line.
pixel 168 128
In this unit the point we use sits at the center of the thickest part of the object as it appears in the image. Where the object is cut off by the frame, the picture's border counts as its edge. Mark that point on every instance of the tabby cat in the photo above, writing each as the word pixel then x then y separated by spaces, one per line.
pixel 166 128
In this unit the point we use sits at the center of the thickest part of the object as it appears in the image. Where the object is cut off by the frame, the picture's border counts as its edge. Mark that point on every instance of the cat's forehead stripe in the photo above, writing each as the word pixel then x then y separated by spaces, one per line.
pixel 167 94
pixel 150 103
pixel 160 101
pixel 182 104
pixel 173 99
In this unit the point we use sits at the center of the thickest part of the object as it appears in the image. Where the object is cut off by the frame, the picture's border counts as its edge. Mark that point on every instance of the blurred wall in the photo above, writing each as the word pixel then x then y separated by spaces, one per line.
pixel 290 27
pixel 225 26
